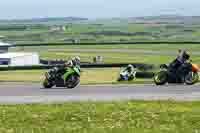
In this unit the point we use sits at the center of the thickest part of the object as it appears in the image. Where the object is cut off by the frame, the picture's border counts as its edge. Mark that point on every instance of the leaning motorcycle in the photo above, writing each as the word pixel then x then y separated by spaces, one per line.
pixel 69 78
pixel 124 76
pixel 189 75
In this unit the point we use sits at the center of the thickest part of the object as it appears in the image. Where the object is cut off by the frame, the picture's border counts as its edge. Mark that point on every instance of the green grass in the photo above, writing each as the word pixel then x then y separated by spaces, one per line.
pixel 112 117
pixel 160 47
pixel 88 76
pixel 136 52
pixel 78 30
pixel 109 57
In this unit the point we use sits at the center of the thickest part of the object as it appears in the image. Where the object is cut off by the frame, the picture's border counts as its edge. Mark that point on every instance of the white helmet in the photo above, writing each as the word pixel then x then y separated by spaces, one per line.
pixel 130 67
pixel 69 63
pixel 77 58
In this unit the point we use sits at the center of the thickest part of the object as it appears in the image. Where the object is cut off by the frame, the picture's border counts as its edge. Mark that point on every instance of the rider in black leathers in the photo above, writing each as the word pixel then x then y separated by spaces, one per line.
pixel 178 64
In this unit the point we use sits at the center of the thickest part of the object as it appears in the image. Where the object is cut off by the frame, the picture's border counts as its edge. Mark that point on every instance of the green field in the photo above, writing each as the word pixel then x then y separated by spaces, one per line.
pixel 99 31
pixel 160 47
pixel 138 53
pixel 90 117
pixel 105 31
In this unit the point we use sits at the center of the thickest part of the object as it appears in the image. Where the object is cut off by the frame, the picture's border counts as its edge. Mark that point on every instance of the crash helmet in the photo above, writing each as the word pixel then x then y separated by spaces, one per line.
pixel 76 60
pixel 69 63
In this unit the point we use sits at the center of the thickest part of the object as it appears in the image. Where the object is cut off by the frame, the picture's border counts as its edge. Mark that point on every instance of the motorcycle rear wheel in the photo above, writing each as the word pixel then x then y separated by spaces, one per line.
pixel 47 84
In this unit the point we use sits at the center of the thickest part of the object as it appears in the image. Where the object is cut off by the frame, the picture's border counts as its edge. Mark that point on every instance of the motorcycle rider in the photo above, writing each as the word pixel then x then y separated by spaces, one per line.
pixel 179 63
pixel 183 57
pixel 130 70
pixel 74 62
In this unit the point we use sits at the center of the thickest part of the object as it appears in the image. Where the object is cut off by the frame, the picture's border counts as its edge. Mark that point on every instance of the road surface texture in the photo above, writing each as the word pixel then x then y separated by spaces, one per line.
pixel 33 93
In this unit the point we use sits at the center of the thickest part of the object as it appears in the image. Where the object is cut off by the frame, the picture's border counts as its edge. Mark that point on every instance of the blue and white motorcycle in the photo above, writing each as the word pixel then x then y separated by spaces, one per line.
pixel 126 76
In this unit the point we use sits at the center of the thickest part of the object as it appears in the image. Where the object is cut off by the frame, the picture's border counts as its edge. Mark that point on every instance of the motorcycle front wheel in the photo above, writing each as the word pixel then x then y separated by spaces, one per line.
pixel 161 78
pixel 72 81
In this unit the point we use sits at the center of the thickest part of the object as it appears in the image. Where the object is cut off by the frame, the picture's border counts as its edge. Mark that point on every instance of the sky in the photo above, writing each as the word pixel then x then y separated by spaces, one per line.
pixel 21 9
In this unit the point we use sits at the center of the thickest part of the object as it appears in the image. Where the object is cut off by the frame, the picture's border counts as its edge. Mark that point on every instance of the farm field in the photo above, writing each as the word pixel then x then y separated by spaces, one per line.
pixel 98 31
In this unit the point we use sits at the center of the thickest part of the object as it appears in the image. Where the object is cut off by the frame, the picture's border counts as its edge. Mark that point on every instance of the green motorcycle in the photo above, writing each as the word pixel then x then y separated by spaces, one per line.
pixel 68 77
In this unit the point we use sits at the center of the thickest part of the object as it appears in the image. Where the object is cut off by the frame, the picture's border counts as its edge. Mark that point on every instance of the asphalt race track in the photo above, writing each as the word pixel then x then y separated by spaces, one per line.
pixel 33 93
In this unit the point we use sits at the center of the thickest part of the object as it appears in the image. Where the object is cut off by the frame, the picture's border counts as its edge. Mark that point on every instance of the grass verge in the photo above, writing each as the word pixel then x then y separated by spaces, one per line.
pixel 113 117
